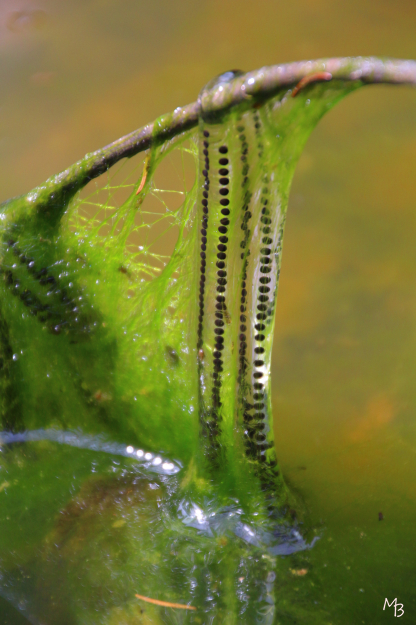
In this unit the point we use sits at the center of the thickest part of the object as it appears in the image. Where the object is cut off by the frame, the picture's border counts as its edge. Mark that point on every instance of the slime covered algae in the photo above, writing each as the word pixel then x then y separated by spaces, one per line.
pixel 139 482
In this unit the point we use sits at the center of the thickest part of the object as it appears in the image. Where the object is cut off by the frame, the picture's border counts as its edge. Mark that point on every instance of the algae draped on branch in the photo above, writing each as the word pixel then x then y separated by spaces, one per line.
pixel 110 344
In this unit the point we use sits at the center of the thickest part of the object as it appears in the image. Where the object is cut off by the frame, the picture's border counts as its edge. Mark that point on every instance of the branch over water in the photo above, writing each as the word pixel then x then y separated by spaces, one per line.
pixel 249 88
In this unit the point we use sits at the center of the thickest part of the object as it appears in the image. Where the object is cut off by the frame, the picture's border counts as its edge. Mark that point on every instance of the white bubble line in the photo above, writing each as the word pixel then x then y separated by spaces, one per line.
pixel 150 461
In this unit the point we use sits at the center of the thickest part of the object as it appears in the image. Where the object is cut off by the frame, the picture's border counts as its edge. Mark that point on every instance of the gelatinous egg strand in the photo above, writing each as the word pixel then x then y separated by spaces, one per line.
pixel 21 271
pixel 238 280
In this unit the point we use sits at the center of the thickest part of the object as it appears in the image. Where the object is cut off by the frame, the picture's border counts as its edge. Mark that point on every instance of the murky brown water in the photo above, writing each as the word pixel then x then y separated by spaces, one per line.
pixel 74 76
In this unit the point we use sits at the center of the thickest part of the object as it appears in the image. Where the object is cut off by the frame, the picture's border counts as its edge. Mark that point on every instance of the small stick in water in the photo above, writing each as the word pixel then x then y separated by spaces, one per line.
pixel 166 604
pixel 316 77
pixel 144 177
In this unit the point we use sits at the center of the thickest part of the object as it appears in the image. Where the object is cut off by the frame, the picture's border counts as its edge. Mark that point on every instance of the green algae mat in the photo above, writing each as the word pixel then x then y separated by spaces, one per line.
pixel 138 475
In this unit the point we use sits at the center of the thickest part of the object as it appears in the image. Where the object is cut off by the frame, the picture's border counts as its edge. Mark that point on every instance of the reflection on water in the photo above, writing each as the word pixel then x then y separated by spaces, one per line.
pixel 124 531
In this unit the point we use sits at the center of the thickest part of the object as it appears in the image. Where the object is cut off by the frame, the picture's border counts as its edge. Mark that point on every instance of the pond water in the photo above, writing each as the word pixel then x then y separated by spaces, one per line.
pixel 75 78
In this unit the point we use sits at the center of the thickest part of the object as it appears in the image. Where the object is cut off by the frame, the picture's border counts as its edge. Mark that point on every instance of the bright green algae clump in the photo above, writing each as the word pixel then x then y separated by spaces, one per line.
pixel 160 372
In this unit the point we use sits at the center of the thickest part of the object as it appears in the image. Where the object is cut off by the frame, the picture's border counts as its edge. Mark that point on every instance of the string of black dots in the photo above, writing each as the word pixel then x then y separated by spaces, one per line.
pixel 244 244
pixel 29 299
pixel 278 257
pixel 204 232
pixel 258 426
pixel 224 182
pixel 210 423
